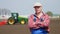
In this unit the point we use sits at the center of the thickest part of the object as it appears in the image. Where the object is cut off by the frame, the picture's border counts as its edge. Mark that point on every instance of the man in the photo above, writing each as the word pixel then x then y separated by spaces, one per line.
pixel 38 23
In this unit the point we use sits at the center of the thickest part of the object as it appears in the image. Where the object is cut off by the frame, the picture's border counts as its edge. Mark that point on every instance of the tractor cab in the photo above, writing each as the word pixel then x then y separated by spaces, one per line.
pixel 15 16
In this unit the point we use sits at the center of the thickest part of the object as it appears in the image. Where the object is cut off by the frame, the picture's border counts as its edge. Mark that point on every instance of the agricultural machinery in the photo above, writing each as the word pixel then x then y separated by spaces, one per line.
pixel 15 18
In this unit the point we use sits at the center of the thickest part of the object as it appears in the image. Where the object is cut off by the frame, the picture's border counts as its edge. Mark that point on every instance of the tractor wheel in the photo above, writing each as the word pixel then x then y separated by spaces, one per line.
pixel 11 20
pixel 22 22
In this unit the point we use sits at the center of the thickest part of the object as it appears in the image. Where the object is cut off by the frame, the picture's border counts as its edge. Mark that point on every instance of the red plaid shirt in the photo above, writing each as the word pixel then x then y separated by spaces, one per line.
pixel 35 22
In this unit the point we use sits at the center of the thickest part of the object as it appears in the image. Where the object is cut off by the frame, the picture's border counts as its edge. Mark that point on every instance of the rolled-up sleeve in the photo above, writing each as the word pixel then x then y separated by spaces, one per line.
pixel 46 21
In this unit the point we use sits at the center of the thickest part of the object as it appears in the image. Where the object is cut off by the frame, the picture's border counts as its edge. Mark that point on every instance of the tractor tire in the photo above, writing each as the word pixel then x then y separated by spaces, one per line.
pixel 22 22
pixel 11 21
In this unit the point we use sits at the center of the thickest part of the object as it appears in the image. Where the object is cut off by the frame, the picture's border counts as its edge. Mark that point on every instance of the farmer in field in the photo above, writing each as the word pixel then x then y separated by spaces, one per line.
pixel 38 23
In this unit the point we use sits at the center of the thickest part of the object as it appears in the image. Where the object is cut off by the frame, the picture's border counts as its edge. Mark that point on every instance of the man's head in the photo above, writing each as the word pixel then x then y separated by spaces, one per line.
pixel 38 7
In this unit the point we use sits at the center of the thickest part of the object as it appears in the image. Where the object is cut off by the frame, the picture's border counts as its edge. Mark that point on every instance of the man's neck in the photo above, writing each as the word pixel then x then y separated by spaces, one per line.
pixel 39 14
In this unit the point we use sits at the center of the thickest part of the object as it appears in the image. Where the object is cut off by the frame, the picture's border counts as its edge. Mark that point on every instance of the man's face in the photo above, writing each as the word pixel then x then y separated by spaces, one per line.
pixel 38 9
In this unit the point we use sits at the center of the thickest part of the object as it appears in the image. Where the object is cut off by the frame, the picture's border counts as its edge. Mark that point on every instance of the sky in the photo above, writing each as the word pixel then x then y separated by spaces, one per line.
pixel 25 7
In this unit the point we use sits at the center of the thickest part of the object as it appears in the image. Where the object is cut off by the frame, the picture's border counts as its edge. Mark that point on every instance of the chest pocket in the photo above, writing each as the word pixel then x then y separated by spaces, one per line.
pixel 35 17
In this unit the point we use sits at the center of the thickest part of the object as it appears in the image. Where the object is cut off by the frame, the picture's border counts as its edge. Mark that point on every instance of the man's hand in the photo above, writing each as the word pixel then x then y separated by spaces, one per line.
pixel 40 24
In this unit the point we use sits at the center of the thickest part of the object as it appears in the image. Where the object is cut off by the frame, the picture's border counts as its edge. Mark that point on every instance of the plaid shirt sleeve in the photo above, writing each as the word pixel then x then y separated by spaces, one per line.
pixel 46 21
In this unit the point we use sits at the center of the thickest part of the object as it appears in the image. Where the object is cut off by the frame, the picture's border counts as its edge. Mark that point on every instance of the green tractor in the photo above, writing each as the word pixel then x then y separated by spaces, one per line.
pixel 15 18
